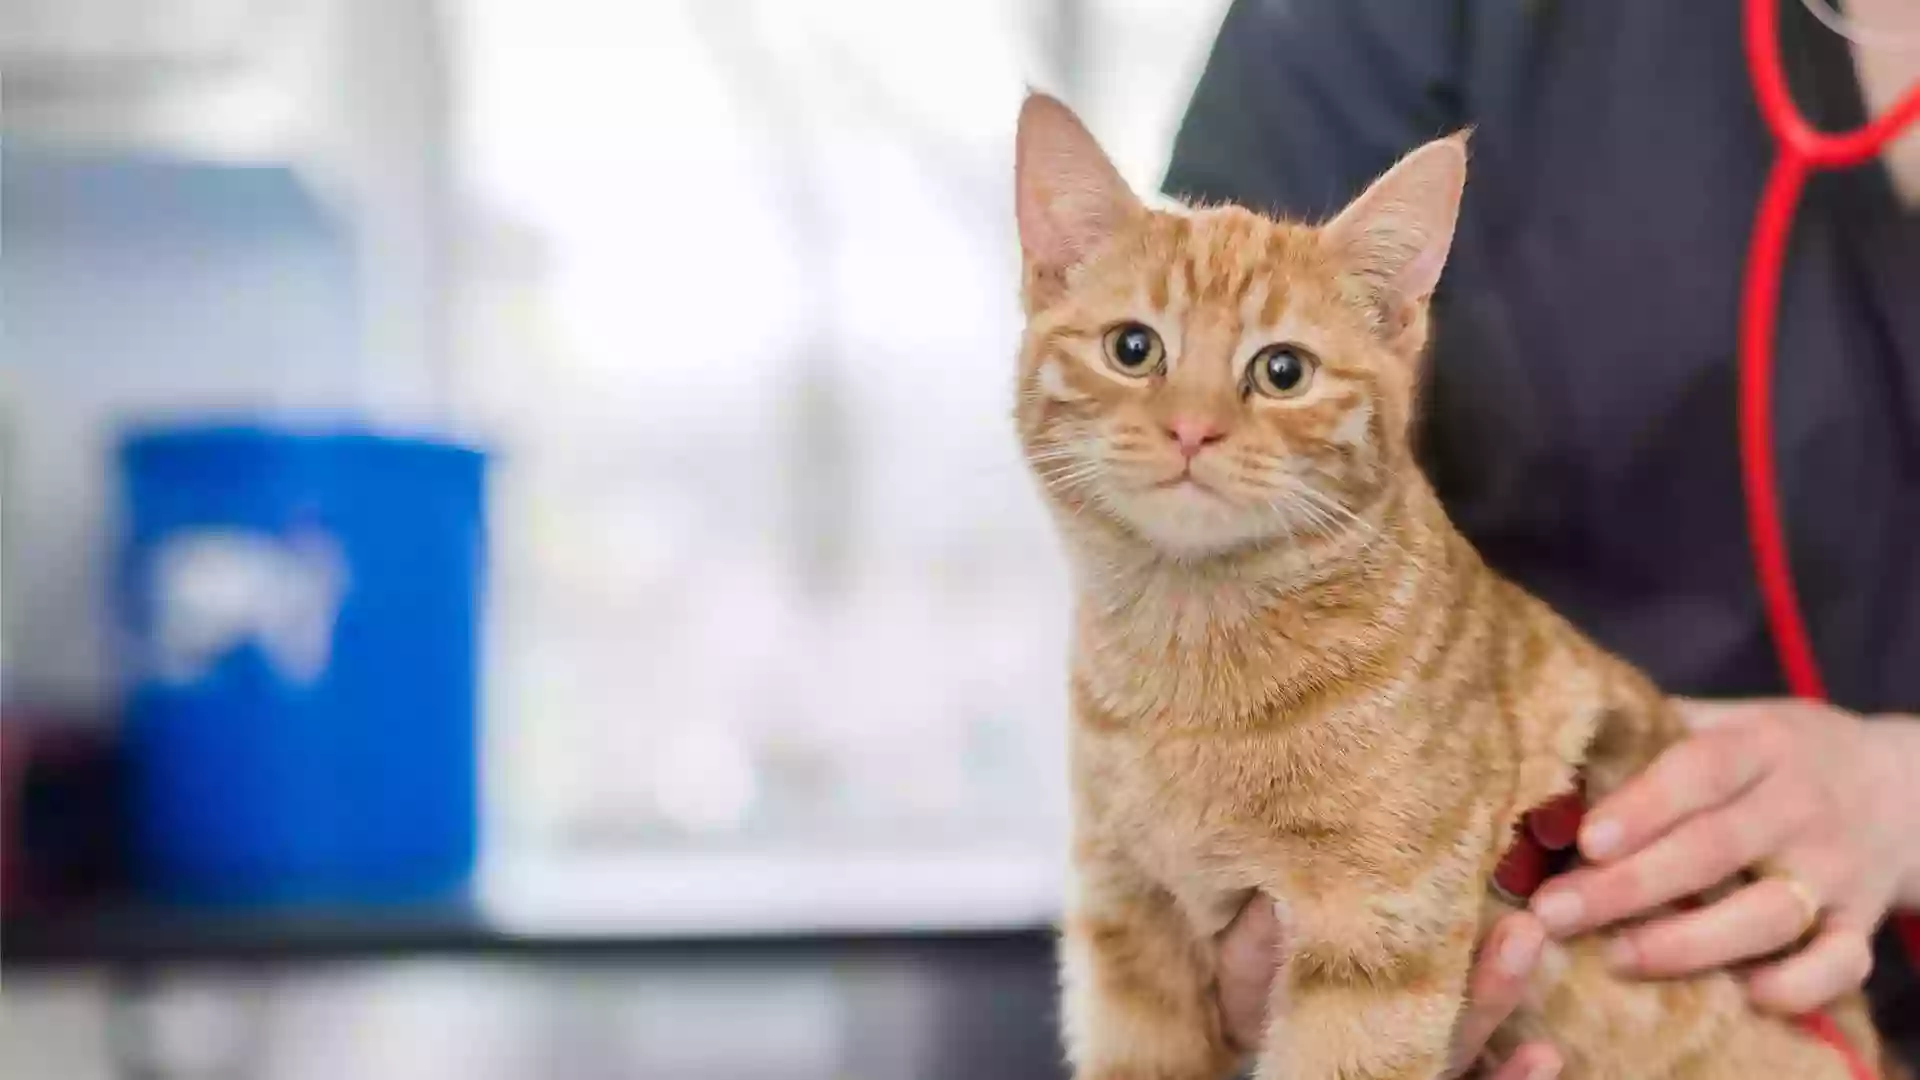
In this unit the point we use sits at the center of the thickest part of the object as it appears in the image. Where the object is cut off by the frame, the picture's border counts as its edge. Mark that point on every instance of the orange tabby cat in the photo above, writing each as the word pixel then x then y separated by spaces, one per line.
pixel 1291 675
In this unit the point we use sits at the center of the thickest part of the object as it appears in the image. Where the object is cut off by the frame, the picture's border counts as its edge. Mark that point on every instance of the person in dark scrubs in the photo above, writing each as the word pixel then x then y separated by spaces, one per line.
pixel 1580 426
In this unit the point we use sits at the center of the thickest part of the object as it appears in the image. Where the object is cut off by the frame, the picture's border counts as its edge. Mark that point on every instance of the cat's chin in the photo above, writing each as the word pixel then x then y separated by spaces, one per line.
pixel 1192 524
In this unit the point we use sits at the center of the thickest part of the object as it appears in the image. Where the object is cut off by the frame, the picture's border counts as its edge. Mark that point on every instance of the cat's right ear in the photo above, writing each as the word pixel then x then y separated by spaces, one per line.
pixel 1068 197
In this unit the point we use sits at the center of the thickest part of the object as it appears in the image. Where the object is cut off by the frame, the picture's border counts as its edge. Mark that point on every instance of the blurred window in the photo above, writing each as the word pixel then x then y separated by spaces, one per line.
pixel 737 308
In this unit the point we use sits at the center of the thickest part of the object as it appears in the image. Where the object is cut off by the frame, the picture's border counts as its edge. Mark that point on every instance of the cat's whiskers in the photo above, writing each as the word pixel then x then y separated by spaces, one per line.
pixel 1286 526
pixel 1323 523
pixel 1342 517
pixel 1332 527
pixel 1071 480
pixel 1289 507
pixel 1055 452
pixel 1075 480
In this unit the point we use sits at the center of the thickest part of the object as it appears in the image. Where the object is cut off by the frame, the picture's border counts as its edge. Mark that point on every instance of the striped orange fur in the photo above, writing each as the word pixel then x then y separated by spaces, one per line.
pixel 1290 675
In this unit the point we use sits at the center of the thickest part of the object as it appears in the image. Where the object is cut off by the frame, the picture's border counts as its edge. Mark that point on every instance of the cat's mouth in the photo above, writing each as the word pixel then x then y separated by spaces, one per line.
pixel 1184 480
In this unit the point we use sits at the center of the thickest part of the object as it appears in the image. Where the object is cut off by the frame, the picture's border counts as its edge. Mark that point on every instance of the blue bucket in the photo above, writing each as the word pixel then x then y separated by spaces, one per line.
pixel 300 616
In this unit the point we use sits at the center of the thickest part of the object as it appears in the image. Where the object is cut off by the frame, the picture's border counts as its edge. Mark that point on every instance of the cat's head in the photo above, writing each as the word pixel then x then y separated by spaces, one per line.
pixel 1215 380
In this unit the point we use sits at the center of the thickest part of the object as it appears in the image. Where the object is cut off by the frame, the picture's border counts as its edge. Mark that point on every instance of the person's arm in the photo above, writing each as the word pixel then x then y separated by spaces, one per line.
pixel 1304 101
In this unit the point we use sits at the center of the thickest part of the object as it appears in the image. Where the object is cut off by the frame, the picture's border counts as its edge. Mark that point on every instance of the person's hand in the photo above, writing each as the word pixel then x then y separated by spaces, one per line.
pixel 1249 960
pixel 1823 801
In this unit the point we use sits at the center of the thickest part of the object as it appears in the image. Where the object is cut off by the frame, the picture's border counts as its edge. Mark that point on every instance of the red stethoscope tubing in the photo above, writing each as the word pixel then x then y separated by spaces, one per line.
pixel 1801 150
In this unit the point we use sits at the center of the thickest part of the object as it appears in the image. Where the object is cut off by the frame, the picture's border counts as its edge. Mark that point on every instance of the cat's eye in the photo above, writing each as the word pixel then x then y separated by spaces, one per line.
pixel 1135 349
pixel 1281 371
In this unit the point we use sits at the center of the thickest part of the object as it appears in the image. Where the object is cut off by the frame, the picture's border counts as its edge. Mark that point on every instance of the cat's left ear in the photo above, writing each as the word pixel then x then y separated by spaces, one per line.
pixel 1395 237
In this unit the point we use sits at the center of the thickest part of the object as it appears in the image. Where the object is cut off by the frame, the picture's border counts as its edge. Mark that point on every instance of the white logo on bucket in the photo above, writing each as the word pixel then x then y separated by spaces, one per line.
pixel 214 590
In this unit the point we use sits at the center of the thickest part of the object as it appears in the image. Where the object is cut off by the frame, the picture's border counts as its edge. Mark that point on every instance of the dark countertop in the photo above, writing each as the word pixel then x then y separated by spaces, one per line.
pixel 135 933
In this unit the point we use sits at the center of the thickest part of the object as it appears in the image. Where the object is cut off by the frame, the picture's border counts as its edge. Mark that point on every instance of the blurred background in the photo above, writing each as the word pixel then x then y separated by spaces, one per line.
pixel 752 643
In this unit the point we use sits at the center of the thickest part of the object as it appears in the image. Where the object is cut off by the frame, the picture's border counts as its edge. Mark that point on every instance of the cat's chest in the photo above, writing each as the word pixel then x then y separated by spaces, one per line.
pixel 1209 813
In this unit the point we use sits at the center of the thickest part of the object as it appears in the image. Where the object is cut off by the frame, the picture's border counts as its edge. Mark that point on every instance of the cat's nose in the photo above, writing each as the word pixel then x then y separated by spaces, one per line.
pixel 1194 434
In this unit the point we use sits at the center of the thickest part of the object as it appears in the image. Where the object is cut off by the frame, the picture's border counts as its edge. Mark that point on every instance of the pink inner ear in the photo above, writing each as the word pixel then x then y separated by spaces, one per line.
pixel 1042 236
pixel 1417 280
pixel 1068 198
pixel 1401 229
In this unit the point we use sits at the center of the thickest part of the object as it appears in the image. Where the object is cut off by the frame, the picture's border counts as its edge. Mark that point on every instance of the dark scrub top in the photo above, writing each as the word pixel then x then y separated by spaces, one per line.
pixel 1580 416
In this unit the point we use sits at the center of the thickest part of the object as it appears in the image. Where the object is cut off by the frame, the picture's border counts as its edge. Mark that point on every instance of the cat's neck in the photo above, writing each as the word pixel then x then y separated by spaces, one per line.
pixel 1225 639
pixel 1402 538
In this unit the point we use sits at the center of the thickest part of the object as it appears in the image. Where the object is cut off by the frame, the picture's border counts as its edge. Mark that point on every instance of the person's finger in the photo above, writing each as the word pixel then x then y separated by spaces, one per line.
pixel 1534 1061
pixel 1498 982
pixel 1703 772
pixel 1249 957
pixel 1762 918
pixel 1838 961
pixel 1698 855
